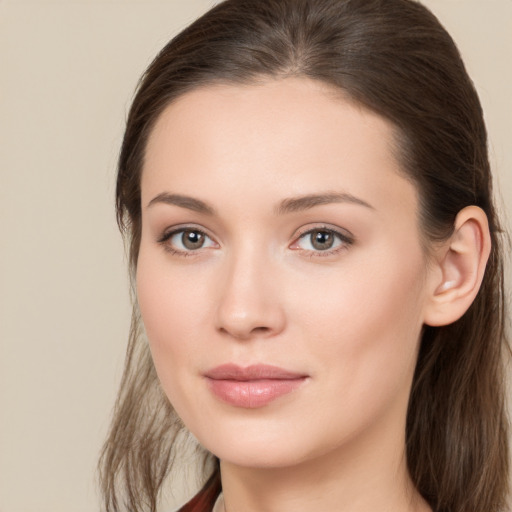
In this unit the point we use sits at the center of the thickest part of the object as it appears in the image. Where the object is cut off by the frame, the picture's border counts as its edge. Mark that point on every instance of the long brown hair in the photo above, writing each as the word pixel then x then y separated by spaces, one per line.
pixel 393 57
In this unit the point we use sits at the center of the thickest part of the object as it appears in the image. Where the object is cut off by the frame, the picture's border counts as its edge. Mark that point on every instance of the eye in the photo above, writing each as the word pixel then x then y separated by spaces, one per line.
pixel 322 240
pixel 186 240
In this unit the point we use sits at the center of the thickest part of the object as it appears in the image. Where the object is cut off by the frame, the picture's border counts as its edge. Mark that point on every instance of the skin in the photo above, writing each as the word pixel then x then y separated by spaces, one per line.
pixel 258 291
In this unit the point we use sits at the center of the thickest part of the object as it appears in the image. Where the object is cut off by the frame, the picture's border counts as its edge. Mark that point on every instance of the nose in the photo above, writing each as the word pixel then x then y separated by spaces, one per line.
pixel 250 304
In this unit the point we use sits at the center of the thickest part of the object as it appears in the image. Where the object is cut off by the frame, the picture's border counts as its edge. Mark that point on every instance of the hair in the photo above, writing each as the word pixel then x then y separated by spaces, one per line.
pixel 394 58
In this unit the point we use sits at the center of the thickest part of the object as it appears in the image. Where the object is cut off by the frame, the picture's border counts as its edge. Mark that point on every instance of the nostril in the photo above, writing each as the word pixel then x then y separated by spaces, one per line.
pixel 261 329
pixel 245 334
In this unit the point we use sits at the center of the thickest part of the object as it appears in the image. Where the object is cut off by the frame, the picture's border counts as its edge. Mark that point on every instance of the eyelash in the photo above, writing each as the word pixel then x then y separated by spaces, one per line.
pixel 345 239
pixel 164 239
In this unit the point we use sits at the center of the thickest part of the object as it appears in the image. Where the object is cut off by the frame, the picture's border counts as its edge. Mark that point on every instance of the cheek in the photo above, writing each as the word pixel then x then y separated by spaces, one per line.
pixel 165 305
pixel 364 325
pixel 167 314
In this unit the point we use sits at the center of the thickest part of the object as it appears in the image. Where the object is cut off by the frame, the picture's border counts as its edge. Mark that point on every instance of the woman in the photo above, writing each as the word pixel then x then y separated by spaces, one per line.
pixel 316 259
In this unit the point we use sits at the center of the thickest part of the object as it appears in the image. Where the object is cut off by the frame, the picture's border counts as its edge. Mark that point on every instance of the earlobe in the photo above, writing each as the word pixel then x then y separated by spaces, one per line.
pixel 460 267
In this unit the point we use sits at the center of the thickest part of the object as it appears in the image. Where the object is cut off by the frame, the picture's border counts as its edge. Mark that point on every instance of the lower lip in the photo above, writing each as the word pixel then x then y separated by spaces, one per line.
pixel 251 394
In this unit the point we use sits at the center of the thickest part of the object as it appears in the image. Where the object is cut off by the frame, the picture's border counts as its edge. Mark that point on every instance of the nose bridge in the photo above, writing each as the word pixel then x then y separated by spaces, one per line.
pixel 249 302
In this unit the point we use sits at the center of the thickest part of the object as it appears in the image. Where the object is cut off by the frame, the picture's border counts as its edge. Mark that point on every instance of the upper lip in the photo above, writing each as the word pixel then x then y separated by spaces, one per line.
pixel 232 371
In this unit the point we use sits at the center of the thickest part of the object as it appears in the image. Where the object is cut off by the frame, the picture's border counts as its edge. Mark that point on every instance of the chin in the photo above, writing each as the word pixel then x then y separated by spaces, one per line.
pixel 257 447
pixel 258 457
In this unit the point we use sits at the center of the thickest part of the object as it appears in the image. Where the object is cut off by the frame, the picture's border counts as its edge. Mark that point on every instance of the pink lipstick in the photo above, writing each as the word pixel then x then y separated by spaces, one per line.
pixel 253 386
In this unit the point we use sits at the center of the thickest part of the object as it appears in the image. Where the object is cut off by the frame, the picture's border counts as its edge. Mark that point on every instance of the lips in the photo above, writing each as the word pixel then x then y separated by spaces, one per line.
pixel 253 386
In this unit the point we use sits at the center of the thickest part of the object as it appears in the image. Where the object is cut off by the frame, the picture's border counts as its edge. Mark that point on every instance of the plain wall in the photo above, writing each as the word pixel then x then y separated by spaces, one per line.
pixel 68 70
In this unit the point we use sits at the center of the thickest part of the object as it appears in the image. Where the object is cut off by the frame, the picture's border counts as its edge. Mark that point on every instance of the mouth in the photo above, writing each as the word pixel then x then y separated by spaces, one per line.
pixel 252 386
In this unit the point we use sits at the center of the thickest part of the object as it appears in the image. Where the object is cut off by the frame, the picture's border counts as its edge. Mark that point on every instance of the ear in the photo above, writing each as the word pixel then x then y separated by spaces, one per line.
pixel 458 268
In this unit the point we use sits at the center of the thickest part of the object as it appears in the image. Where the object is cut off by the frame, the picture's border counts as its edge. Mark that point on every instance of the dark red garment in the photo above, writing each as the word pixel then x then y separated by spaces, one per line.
pixel 205 499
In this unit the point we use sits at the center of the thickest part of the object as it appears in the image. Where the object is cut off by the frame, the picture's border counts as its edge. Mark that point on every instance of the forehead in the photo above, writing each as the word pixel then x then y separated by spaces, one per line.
pixel 288 137
pixel 285 110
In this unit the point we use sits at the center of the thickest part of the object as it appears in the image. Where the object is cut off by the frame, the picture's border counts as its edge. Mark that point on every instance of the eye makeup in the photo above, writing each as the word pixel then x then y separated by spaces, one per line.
pixel 317 241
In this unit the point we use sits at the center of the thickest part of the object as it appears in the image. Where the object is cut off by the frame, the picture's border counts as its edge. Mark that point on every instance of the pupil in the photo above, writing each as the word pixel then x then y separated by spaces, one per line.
pixel 192 239
pixel 322 240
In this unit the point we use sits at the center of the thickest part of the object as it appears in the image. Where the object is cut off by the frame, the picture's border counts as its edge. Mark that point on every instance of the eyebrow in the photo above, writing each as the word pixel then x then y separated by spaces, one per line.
pixel 190 203
pixel 296 204
pixel 290 205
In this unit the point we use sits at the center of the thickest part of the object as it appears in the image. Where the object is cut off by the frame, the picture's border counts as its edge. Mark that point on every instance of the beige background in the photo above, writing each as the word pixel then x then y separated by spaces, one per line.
pixel 67 72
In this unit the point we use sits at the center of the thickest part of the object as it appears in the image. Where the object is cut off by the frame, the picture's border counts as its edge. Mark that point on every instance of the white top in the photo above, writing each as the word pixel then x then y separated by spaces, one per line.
pixel 218 507
pixel 219 504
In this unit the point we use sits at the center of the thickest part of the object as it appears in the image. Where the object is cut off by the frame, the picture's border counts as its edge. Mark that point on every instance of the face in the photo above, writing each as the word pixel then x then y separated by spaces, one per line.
pixel 281 277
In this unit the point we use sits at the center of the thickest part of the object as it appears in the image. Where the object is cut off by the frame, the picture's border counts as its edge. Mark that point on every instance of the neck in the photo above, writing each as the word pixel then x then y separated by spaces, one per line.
pixel 369 473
